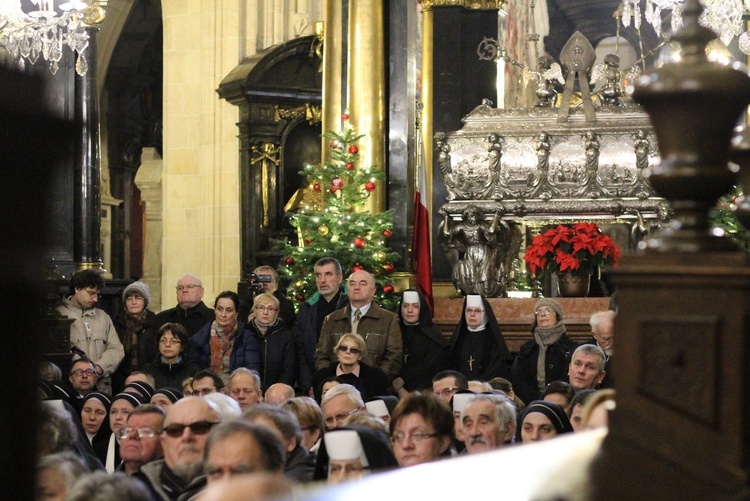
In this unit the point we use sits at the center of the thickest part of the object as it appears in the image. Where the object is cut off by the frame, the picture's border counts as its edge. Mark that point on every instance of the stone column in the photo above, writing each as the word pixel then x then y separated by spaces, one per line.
pixel 148 180
pixel 366 87
pixel 333 97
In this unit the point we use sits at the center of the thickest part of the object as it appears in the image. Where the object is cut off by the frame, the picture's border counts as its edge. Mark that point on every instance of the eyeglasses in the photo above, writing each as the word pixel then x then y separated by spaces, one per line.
pixel 176 430
pixel 205 391
pixel 350 349
pixel 473 311
pixel 188 287
pixel 92 293
pixel 446 391
pixel 143 432
pixel 165 340
pixel 543 313
pixel 266 308
pixel 339 417
pixel 399 438
pixel 81 372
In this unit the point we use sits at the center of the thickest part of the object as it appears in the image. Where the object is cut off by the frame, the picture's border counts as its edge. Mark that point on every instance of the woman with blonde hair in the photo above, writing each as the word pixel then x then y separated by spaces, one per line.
pixel 278 354
pixel 351 349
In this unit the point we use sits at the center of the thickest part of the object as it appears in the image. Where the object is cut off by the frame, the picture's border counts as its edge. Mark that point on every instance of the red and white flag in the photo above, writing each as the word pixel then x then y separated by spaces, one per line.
pixel 422 262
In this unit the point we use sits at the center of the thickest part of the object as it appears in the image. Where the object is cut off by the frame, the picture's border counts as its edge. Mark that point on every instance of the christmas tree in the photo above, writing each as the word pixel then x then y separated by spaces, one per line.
pixel 332 221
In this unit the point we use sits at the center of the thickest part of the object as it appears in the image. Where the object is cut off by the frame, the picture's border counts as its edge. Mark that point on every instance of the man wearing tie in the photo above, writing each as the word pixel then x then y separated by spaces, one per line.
pixel 377 326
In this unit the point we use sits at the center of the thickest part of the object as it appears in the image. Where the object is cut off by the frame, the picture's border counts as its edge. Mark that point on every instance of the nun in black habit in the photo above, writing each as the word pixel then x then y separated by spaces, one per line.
pixel 425 347
pixel 477 347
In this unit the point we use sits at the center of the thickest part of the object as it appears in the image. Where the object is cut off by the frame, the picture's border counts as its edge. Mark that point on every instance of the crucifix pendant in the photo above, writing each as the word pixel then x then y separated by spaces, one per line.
pixel 471 363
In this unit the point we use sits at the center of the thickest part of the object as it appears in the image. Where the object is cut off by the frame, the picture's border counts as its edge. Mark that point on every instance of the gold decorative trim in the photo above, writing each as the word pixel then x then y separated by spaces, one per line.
pixel 467 4
pixel 309 112
pixel 267 155
pixel 94 14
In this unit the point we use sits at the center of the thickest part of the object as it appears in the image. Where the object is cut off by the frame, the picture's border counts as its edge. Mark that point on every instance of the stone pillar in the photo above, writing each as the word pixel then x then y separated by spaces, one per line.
pixel 148 180
pixel 87 168
pixel 366 88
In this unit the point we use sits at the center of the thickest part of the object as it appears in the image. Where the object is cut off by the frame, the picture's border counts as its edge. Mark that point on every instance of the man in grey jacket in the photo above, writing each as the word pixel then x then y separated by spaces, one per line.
pixel 92 330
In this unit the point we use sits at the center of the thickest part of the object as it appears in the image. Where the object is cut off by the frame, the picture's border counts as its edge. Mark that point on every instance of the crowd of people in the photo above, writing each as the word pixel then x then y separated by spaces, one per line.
pixel 171 405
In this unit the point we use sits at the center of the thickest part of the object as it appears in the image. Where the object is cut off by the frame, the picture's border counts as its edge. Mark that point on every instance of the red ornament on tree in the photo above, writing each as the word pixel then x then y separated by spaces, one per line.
pixel 388 289
pixel 316 187
pixel 359 243
pixel 387 233
pixel 357 267
pixel 308 241
pixel 389 267
pixel 345 116
pixel 333 144
pixel 289 261
pixel 349 165
pixel 337 183
pixel 353 149
pixel 300 297
pixel 370 187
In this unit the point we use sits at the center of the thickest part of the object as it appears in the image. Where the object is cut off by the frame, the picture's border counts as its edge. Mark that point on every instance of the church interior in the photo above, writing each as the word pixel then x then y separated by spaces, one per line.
pixel 179 150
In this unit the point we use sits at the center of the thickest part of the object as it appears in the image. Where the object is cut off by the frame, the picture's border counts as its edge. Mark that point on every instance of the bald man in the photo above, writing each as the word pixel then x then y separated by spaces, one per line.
pixel 279 393
pixel 379 328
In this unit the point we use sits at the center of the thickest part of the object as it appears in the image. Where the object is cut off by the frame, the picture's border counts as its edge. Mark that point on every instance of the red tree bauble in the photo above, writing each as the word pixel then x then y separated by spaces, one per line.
pixel 353 149
pixel 389 267
pixel 337 183
pixel 387 233
pixel 359 243
pixel 349 165
pixel 334 189
pixel 345 116
pixel 289 261
pixel 357 267
pixel 370 187
pixel 300 297
pixel 308 241
pixel 316 187
pixel 388 289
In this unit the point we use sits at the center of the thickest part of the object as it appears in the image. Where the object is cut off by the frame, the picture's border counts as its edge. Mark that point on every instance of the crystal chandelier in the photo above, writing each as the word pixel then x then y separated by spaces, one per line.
pixel 44 32
pixel 722 16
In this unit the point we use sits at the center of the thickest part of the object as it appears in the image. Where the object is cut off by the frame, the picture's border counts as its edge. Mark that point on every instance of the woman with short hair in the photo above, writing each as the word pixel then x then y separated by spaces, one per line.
pixel 275 340
pixel 351 349
pixel 172 367
pixel 421 429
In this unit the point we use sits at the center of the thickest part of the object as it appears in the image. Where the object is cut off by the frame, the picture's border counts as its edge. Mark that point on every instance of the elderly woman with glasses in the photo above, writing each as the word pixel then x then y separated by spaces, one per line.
pixel 225 343
pixel 275 339
pixel 172 366
pixel 351 349
pixel 421 429
pixel 544 358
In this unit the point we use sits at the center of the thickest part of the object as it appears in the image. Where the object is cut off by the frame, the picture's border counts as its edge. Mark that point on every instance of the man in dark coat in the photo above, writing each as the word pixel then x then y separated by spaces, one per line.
pixel 425 347
pixel 478 349
pixel 331 296
pixel 603 327
pixel 191 312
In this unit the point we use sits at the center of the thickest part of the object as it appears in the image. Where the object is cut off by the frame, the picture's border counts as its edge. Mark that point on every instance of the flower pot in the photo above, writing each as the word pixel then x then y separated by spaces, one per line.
pixel 571 284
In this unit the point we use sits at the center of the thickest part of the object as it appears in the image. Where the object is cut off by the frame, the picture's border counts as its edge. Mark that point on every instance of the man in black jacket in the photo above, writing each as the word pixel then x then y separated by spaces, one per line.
pixel 329 298
pixel 191 312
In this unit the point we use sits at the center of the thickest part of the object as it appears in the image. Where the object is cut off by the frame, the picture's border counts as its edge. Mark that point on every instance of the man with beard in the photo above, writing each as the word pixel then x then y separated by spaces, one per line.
pixel 489 422
pixel 179 475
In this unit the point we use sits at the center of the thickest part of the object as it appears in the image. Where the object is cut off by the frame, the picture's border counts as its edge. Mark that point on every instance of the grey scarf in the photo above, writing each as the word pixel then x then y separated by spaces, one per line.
pixel 545 336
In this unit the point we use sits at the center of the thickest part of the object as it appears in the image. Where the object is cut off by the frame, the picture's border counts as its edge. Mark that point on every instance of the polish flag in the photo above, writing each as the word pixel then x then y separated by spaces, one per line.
pixel 422 262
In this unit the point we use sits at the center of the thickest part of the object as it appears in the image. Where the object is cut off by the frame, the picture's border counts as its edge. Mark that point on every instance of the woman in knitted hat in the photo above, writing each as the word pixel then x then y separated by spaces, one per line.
pixel 545 358
pixel 134 326
pixel 542 420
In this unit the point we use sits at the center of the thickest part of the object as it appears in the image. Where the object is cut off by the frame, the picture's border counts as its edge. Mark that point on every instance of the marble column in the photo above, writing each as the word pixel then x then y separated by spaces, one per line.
pixel 148 180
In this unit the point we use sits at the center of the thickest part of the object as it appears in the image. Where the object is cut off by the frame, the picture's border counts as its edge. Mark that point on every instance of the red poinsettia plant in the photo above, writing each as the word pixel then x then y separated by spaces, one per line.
pixel 579 248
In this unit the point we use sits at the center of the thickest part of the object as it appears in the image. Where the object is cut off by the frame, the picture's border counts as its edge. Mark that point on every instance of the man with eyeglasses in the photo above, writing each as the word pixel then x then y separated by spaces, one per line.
pixel 206 382
pixel 191 312
pixel 445 384
pixel 92 330
pixel 339 403
pixel 140 438
pixel 363 316
pixel 603 328
pixel 82 379
pixel 186 428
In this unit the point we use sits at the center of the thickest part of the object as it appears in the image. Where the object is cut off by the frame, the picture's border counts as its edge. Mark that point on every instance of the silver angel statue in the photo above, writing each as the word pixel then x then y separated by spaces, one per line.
pixel 476 251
